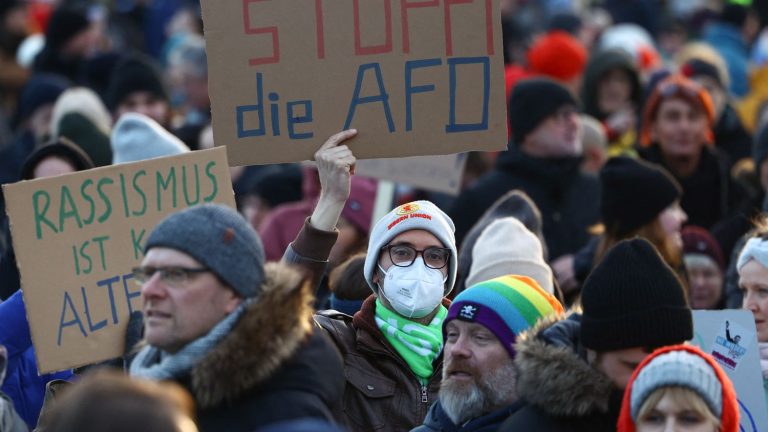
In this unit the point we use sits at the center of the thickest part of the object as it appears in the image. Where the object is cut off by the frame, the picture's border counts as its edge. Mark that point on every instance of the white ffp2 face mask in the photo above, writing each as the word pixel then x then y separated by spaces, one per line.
pixel 413 291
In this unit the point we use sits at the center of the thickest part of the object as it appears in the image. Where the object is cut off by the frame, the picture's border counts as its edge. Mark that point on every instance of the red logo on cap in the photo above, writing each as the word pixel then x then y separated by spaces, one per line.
pixel 407 209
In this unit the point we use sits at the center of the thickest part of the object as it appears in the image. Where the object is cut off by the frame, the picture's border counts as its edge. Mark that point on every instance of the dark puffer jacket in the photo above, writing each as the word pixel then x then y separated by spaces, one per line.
pixel 562 391
pixel 569 200
pixel 709 194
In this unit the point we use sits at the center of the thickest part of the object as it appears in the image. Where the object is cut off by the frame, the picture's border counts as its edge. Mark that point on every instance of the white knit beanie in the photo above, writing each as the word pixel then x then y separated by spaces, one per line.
pixel 415 215
pixel 137 137
pixel 505 247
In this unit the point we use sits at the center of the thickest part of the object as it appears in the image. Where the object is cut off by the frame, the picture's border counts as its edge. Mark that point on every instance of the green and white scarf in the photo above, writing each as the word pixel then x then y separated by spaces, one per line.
pixel 416 343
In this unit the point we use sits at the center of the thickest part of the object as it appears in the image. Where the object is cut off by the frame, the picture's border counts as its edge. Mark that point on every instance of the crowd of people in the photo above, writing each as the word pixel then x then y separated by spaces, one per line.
pixel 554 293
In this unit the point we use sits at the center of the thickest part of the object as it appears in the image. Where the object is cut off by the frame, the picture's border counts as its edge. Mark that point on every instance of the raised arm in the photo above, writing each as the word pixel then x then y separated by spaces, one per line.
pixel 313 244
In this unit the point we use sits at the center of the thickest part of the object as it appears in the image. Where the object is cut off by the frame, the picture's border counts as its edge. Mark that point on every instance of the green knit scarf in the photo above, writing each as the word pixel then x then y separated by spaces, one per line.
pixel 416 343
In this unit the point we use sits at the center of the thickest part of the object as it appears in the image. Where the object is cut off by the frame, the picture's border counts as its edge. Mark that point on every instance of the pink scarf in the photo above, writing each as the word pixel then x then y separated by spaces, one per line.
pixel 764 358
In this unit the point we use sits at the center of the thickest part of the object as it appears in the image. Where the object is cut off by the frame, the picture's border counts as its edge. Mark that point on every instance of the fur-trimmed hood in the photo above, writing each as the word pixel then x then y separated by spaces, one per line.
pixel 553 372
pixel 269 333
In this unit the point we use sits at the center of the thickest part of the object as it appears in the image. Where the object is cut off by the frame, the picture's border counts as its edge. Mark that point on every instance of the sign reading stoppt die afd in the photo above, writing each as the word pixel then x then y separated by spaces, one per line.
pixel 78 236
pixel 414 77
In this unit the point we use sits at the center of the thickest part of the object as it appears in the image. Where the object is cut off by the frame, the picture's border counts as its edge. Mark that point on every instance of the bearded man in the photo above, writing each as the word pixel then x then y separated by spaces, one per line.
pixel 478 388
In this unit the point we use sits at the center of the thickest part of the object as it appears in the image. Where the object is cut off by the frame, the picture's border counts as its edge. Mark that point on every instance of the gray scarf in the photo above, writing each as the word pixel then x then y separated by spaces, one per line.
pixel 155 364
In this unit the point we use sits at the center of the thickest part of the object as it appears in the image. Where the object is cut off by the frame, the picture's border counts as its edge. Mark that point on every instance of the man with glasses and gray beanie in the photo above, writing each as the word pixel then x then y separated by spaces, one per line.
pixel 572 371
pixel 235 332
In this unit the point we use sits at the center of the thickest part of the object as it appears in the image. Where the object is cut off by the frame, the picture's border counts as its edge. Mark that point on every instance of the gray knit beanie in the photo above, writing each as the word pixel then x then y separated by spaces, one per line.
pixel 678 369
pixel 220 239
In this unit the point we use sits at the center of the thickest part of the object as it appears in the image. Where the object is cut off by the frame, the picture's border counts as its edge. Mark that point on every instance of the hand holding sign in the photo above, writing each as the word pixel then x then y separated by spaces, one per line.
pixel 335 165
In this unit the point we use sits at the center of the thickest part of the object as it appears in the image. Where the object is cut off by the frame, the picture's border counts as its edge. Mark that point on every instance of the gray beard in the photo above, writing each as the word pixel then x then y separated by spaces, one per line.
pixel 466 401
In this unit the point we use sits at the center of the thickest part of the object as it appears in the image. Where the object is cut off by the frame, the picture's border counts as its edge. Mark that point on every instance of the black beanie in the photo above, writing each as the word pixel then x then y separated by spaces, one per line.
pixel 633 193
pixel 65 23
pixel 734 14
pixel 532 101
pixel 634 299
pixel 279 187
pixel 93 141
pixel 132 74
pixel 62 148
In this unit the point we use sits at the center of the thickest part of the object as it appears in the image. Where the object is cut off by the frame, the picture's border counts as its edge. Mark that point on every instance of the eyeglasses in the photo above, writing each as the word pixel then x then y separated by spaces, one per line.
pixel 404 256
pixel 173 276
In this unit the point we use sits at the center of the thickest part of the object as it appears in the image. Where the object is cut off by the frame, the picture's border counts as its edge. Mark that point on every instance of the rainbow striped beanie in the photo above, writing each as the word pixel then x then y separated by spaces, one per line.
pixel 507 306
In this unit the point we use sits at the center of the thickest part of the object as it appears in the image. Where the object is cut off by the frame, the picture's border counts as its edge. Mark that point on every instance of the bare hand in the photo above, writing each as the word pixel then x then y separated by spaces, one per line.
pixel 335 165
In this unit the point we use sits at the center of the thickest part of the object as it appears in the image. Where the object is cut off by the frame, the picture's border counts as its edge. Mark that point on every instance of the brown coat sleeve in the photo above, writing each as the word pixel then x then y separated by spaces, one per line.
pixel 310 251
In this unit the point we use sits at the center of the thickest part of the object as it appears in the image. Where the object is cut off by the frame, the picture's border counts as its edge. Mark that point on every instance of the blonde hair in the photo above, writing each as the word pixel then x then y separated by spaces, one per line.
pixel 682 397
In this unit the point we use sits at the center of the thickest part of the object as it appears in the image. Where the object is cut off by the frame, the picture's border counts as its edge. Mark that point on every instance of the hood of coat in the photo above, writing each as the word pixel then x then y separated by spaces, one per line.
pixel 268 334
pixel 553 372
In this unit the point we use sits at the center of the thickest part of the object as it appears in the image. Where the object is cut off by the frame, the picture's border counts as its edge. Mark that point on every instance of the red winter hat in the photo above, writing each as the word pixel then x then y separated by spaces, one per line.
pixel 729 418
pixel 557 54
pixel 697 240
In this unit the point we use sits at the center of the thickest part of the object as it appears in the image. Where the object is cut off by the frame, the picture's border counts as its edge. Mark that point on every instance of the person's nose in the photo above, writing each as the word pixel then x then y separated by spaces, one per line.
pixel 460 348
pixel 154 288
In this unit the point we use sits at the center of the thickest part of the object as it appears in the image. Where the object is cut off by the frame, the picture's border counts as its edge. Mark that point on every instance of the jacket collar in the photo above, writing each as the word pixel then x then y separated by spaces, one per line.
pixel 555 171
pixel 270 331
pixel 552 349
pixel 437 419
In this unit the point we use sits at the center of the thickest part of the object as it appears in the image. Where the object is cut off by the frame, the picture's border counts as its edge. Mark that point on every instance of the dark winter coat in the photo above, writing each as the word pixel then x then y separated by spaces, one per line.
pixel 731 137
pixel 563 392
pixel 381 392
pixel 438 421
pixel 709 194
pixel 275 364
pixel 568 199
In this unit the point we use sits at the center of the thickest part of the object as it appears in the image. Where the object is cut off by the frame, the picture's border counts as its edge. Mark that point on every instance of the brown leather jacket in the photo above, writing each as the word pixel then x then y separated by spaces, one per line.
pixel 381 392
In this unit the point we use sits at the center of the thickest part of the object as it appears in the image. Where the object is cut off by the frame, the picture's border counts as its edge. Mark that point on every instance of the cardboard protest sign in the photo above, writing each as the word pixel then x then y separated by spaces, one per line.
pixel 730 337
pixel 414 77
pixel 78 236
pixel 441 173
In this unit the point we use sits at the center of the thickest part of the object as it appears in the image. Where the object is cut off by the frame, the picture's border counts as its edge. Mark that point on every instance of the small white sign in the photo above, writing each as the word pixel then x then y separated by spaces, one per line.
pixel 731 338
